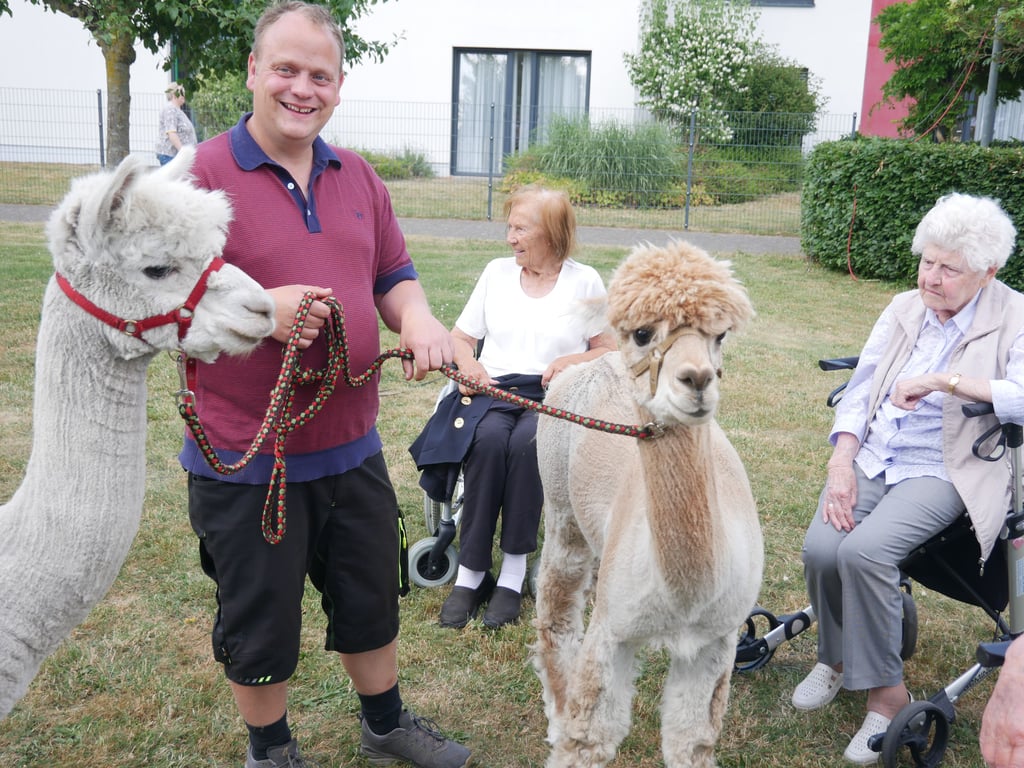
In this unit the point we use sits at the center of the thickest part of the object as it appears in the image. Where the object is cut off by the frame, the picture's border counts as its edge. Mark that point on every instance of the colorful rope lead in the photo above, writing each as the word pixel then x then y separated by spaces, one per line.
pixel 279 421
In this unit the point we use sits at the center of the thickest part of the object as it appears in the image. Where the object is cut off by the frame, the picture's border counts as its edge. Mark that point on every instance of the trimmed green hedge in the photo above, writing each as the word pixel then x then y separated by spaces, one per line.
pixel 871 193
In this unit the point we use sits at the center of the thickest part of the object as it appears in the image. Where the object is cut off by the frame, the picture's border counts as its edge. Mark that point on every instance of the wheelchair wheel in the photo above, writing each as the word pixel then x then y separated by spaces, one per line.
pixel 749 640
pixel 909 644
pixel 432 511
pixel 922 728
pixel 424 574
pixel 531 578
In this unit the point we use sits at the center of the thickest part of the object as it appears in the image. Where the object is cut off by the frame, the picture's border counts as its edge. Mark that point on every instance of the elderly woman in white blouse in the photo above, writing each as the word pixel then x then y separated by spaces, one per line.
pixel 522 307
pixel 902 469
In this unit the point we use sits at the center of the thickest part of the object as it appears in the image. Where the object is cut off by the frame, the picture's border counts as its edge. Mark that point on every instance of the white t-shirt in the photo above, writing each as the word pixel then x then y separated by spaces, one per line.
pixel 523 334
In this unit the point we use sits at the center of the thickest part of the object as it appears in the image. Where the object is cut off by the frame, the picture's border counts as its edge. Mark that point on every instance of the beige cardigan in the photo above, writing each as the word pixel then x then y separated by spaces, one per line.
pixel 984 486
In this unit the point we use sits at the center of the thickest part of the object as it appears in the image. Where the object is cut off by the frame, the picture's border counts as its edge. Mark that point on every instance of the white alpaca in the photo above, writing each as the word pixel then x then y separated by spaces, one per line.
pixel 666 525
pixel 134 243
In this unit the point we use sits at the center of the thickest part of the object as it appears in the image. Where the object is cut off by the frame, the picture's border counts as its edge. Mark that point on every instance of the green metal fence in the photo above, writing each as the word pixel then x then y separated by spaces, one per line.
pixel 745 180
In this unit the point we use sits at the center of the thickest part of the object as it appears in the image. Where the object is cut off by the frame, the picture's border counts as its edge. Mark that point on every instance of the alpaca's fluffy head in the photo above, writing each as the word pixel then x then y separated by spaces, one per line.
pixel 670 309
pixel 133 215
pixel 134 241
pixel 678 285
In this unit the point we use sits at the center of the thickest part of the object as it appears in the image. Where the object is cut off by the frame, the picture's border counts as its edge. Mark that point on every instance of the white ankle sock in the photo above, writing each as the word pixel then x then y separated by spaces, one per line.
pixel 513 571
pixel 468 578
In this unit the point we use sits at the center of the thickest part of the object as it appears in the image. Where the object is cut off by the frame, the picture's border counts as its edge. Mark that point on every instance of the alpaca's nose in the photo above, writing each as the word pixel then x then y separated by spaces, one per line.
pixel 696 377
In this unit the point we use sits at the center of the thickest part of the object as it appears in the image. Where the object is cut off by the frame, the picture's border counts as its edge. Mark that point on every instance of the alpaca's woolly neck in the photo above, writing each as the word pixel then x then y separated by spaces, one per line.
pixel 679 479
pixel 88 455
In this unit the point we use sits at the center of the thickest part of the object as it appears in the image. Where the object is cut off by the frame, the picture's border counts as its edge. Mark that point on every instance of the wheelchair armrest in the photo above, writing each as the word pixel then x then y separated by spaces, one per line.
pixel 1011 437
pixel 839 363
pixel 970 410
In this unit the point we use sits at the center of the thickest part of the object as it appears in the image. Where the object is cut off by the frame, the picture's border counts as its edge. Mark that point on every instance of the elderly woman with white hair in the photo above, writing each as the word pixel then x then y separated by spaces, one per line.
pixel 902 470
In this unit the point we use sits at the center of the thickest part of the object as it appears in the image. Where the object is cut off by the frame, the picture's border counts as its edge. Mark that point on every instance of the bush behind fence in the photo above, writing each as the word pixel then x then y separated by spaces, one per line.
pixel 749 183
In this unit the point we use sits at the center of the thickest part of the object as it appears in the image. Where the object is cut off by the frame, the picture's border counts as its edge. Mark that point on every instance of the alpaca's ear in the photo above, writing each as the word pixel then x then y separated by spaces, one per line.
pixel 181 165
pixel 111 204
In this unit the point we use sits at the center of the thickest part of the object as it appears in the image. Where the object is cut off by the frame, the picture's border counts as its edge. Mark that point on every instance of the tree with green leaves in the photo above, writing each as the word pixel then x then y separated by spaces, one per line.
pixel 942 50
pixel 207 39
pixel 692 53
pixel 777 104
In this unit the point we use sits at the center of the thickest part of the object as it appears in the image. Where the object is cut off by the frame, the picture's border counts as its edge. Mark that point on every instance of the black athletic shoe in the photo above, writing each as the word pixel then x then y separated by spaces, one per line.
pixel 416 740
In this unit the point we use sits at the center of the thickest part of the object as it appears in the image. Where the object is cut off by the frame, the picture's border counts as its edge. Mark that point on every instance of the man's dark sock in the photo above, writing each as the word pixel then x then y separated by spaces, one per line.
pixel 381 710
pixel 263 737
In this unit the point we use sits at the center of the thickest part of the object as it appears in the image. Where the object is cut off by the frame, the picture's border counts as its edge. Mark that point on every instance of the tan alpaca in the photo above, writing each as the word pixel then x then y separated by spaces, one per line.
pixel 662 533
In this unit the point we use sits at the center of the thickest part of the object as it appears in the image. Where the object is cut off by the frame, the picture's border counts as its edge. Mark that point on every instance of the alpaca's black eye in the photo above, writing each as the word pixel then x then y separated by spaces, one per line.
pixel 720 338
pixel 157 273
pixel 642 336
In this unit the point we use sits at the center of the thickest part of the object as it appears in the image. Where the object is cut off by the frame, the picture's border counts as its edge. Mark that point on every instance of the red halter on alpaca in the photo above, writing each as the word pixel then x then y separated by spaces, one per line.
pixel 181 315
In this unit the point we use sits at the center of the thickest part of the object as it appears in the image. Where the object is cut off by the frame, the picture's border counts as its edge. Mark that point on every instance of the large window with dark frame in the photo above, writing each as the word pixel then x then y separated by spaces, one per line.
pixel 503 101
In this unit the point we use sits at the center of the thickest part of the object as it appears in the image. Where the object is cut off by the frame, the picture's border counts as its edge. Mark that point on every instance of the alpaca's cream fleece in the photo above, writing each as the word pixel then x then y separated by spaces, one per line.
pixel 662 533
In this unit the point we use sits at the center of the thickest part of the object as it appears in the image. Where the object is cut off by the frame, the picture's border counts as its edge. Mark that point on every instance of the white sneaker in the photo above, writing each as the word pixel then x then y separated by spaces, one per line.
pixel 818 688
pixel 858 751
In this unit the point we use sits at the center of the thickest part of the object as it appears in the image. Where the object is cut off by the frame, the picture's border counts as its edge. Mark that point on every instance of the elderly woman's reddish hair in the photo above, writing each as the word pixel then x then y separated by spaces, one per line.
pixel 554 215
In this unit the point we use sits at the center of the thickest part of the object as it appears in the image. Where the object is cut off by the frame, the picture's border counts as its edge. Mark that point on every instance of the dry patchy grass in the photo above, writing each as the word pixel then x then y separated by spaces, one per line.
pixel 135 685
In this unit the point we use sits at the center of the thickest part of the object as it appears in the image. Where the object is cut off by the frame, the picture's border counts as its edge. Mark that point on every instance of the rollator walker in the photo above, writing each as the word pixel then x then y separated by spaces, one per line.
pixel 948 563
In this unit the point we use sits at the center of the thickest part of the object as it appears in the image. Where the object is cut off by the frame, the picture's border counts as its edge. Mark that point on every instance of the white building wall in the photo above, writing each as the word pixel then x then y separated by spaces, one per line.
pixel 419 68
pixel 48 51
pixel 830 39
pixel 57 68
pixel 42 49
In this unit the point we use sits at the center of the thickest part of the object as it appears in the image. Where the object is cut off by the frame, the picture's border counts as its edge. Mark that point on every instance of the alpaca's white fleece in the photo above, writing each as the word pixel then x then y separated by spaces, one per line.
pixel 70 523
pixel 135 243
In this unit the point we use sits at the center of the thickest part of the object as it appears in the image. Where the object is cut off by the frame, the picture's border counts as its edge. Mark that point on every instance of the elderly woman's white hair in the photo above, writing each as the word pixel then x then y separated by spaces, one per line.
pixel 976 228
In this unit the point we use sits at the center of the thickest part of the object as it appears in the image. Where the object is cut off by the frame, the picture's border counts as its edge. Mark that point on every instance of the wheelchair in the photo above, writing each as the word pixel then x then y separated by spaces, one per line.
pixel 948 564
pixel 434 560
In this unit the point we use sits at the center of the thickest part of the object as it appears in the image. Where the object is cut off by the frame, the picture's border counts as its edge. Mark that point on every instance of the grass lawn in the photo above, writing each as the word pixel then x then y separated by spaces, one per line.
pixel 135 685
pixel 470 197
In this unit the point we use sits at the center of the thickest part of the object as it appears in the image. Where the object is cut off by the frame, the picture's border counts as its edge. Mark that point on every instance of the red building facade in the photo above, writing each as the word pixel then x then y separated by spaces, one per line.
pixel 878 118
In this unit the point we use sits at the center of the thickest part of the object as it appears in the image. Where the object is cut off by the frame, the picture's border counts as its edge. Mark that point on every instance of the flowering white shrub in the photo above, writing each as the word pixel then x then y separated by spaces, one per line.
pixel 692 52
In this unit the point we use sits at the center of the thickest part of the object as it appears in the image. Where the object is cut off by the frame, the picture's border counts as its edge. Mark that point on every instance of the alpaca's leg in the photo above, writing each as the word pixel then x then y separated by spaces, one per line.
pixel 19 663
pixel 694 703
pixel 566 568
pixel 599 697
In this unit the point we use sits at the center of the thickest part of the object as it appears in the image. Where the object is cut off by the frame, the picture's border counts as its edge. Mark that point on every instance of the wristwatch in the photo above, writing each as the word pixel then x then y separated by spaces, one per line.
pixel 953 381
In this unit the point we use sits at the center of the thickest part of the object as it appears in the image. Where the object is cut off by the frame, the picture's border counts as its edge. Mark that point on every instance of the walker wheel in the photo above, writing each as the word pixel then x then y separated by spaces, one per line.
pixel 423 573
pixel 920 726
pixel 749 640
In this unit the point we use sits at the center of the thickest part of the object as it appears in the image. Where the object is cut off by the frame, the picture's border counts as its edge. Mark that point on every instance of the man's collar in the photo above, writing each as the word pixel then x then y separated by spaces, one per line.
pixel 250 156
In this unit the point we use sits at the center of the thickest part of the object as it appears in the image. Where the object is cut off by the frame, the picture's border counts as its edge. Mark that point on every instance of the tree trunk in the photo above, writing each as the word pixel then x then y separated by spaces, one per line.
pixel 119 55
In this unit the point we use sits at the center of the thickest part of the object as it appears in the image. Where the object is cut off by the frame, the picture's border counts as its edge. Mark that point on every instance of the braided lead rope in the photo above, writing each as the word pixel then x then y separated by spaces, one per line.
pixel 279 421
pixel 650 430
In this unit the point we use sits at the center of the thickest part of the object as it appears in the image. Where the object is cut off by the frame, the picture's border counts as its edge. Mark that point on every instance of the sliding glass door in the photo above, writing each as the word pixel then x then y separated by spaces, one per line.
pixel 503 101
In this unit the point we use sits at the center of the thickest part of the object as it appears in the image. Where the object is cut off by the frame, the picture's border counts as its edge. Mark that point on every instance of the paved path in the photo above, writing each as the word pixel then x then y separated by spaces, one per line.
pixel 495 230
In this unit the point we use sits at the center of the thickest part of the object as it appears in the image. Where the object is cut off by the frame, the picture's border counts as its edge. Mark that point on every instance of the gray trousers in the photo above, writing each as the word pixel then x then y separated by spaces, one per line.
pixel 853 578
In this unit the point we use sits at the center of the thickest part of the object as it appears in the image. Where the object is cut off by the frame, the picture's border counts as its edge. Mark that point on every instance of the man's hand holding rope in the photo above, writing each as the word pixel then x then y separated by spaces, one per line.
pixel 405 311
pixel 287 299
